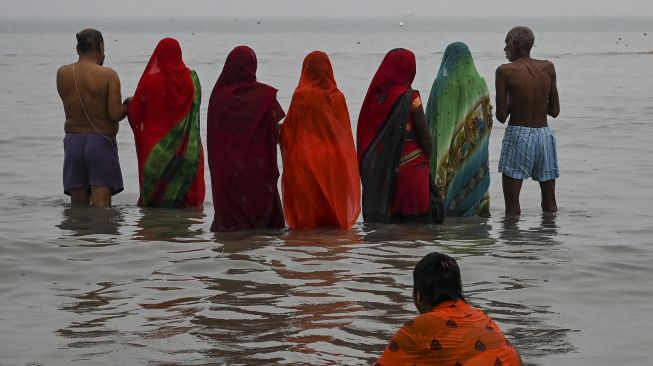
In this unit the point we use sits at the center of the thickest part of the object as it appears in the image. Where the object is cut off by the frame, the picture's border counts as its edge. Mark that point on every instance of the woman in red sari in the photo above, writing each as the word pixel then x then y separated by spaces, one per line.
pixel 394 146
pixel 242 147
pixel 164 116
pixel 320 180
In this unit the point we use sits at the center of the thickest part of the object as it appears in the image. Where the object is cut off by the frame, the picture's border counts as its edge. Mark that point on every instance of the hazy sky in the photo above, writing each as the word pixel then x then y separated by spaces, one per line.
pixel 262 8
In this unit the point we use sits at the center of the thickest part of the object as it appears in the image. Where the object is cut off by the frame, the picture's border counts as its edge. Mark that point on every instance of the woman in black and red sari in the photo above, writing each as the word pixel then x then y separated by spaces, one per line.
pixel 394 147
pixel 242 147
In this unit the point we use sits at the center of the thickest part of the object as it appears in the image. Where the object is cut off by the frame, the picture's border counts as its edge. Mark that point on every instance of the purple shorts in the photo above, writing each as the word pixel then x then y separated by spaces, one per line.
pixel 89 160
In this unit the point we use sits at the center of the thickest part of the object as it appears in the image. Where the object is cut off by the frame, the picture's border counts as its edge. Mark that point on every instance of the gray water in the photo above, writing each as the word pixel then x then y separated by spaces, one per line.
pixel 127 286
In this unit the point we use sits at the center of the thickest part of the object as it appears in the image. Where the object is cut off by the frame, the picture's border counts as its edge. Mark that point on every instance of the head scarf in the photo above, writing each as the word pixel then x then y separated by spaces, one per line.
pixel 177 90
pixel 393 78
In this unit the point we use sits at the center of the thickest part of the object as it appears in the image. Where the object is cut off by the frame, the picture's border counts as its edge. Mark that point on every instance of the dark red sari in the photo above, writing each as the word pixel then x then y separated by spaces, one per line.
pixel 242 147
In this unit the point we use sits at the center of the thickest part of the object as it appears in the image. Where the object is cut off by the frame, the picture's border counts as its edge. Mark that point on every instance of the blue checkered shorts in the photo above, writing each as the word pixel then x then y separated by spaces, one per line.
pixel 529 152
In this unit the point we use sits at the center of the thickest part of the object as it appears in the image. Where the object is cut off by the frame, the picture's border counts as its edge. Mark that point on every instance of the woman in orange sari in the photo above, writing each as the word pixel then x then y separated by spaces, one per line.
pixel 449 331
pixel 320 181
pixel 164 116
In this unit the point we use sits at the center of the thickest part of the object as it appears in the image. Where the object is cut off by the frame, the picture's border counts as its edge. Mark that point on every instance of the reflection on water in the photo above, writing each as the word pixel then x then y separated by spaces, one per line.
pixel 311 297
pixel 168 225
pixel 82 221
pixel 534 244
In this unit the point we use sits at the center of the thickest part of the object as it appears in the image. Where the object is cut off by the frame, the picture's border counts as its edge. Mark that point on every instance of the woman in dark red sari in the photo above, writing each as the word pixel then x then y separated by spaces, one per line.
pixel 242 147
pixel 394 147
pixel 164 116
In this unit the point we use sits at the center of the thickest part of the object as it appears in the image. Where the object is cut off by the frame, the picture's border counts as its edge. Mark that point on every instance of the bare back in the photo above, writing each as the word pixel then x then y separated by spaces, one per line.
pixel 527 92
pixel 99 88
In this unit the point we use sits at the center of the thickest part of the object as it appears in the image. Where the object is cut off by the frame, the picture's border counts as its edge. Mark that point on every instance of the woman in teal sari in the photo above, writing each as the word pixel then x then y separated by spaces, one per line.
pixel 460 119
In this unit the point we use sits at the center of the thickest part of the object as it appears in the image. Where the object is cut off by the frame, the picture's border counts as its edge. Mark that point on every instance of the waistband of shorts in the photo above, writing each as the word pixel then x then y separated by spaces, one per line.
pixel 91 134
pixel 525 128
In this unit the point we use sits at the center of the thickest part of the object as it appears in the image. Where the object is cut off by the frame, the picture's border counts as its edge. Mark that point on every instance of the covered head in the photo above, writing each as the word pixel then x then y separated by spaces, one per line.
pixel 457 54
pixel 317 72
pixel 239 67
pixel 436 278
pixel 398 68
pixel 89 40
pixel 167 56
pixel 392 79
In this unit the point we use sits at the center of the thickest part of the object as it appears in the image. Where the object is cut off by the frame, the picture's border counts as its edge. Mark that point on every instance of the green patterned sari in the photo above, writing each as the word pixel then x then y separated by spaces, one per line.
pixel 460 119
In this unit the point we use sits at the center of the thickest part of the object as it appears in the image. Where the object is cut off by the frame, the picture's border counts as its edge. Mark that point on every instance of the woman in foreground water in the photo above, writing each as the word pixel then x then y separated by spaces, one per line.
pixel 449 331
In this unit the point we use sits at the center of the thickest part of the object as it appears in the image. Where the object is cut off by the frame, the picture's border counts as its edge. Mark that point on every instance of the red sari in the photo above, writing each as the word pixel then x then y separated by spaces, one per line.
pixel 320 180
pixel 394 169
pixel 164 116
pixel 242 142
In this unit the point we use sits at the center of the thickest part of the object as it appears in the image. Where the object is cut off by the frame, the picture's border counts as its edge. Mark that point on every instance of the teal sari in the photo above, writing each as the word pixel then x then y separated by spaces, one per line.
pixel 460 119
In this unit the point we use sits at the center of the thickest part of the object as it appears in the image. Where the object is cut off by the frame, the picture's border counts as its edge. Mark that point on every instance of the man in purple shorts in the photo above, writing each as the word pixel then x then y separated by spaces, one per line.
pixel 527 92
pixel 91 99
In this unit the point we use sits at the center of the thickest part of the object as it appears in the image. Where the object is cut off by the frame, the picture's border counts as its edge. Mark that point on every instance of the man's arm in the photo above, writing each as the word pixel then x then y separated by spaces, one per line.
pixel 59 81
pixel 503 107
pixel 554 102
pixel 115 107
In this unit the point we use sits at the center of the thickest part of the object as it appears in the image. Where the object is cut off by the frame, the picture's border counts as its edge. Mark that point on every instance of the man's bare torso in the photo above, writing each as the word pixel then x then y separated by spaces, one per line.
pixel 97 91
pixel 528 100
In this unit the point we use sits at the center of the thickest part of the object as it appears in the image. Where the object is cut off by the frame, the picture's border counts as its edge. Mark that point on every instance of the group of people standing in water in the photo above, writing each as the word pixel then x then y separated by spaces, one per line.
pixel 414 164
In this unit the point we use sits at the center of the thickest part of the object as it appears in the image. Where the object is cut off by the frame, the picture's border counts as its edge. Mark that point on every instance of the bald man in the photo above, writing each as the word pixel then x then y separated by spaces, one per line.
pixel 526 93
pixel 92 103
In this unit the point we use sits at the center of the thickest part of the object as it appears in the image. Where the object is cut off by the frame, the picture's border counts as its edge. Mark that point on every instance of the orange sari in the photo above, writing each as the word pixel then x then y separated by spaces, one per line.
pixel 453 333
pixel 320 180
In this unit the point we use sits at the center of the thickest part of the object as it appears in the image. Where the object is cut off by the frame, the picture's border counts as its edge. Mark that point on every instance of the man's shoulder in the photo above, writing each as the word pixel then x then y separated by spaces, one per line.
pixel 108 74
pixel 107 70
pixel 543 63
pixel 63 68
pixel 505 68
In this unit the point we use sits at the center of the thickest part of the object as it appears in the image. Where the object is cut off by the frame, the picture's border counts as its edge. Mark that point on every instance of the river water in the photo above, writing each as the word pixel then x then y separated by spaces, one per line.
pixel 155 287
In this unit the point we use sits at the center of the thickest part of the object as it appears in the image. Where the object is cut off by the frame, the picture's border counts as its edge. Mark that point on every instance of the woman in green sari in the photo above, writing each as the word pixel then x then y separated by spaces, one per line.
pixel 460 119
